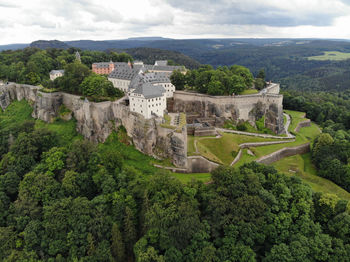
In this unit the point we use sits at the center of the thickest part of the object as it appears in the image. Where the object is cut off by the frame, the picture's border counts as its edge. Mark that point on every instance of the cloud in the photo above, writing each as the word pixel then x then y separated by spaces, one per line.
pixel 26 21
pixel 269 12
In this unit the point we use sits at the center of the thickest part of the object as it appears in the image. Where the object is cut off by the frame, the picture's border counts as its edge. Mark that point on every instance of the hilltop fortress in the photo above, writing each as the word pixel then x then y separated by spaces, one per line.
pixel 96 121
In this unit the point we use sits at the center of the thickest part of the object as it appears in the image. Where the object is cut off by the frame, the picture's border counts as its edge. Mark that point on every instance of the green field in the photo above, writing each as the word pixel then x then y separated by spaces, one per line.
pixel 331 55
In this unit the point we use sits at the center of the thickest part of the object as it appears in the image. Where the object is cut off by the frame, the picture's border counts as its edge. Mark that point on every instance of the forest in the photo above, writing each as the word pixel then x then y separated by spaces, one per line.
pixel 65 199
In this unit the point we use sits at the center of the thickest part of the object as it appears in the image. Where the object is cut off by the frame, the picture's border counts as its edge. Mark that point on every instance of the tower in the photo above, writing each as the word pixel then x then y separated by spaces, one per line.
pixel 77 56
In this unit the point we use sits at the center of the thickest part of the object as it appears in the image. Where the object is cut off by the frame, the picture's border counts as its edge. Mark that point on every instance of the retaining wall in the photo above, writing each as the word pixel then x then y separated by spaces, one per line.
pixel 302 124
pixel 284 152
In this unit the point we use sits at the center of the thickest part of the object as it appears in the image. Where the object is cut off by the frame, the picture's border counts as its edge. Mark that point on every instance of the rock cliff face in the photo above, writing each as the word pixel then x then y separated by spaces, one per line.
pixel 247 108
pixel 96 121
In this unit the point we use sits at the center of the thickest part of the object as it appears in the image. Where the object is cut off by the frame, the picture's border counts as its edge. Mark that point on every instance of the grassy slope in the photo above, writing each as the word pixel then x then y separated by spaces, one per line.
pixel 220 149
pixel 301 166
pixel 16 113
pixel 331 55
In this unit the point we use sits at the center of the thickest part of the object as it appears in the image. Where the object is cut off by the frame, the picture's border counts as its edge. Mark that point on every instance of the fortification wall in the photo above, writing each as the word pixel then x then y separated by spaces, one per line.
pixel 284 152
pixel 241 107
pixel 96 121
pixel 301 124
pixel 199 164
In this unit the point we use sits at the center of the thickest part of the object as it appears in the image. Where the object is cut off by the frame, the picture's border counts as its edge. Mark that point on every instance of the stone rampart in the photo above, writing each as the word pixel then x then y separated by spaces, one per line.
pixel 96 121
pixel 284 152
pixel 199 164
pixel 301 124
pixel 239 107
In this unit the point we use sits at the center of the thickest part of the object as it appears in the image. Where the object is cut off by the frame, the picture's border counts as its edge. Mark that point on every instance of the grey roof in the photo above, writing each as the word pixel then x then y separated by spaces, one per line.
pixel 154 78
pixel 167 68
pixel 57 71
pixel 149 91
pixel 125 73
pixel 161 63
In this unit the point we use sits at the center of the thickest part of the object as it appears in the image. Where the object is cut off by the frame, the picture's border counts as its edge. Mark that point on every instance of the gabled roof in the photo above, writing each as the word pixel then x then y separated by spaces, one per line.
pixel 149 91
pixel 125 73
pixel 57 71
pixel 154 78
pixel 161 63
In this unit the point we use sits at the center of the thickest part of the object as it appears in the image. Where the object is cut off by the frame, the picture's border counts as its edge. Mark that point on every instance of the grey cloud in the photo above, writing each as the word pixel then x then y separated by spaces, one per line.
pixel 7 5
pixel 253 13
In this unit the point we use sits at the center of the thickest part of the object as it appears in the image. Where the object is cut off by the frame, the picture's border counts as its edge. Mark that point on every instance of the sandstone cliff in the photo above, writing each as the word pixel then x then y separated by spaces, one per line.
pixel 96 121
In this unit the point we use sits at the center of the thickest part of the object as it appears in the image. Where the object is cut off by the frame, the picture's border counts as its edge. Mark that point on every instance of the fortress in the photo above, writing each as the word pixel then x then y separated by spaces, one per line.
pixel 96 121
pixel 216 109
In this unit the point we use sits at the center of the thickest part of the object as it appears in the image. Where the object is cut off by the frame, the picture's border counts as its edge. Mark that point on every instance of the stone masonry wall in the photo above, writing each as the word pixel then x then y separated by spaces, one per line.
pixel 284 152
pixel 96 121
pixel 240 107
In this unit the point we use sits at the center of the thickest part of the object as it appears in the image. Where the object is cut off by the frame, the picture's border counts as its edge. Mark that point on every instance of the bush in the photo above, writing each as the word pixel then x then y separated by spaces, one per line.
pixel 241 127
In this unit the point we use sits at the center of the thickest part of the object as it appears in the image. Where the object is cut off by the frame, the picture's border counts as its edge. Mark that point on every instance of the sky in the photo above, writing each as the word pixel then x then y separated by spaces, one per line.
pixel 24 21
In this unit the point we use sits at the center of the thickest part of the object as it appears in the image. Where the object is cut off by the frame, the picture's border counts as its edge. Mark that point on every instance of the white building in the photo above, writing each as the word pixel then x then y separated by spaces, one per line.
pixel 148 100
pixel 56 73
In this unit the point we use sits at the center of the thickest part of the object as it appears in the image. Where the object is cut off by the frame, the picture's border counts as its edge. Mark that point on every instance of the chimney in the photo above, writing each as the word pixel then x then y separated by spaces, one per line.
pixel 130 64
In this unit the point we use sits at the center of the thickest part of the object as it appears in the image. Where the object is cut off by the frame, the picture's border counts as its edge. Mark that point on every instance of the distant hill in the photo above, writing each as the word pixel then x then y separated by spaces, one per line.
pixel 13 46
pixel 150 55
pixel 45 44
pixel 151 38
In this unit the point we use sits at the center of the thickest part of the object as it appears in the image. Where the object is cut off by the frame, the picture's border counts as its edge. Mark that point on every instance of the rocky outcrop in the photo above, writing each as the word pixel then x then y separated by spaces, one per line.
pixel 96 121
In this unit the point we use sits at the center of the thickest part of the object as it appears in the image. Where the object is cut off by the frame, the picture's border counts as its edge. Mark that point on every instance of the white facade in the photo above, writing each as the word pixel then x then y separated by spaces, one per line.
pixel 147 107
pixel 55 74
pixel 169 89
pixel 121 84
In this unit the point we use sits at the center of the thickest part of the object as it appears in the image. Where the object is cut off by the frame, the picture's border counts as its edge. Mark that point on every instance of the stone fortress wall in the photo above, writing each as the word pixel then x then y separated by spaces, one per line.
pixel 266 103
pixel 96 121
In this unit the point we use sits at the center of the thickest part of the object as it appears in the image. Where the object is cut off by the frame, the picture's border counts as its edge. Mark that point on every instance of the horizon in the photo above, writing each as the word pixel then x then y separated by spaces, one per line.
pixel 167 38
pixel 25 22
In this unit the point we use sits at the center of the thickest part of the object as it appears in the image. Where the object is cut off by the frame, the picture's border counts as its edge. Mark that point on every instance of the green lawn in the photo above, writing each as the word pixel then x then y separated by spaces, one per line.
pixel 223 150
pixel 301 166
pixel 185 178
pixel 331 55
pixel 296 118
pixel 249 92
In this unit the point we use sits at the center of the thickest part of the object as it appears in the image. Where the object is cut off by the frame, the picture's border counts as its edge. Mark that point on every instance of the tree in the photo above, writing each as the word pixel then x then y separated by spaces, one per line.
pixel 74 75
pixel 261 74
pixel 117 245
pixel 178 79
pixel 243 72
pixel 215 88
pixel 99 86
pixel 259 83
